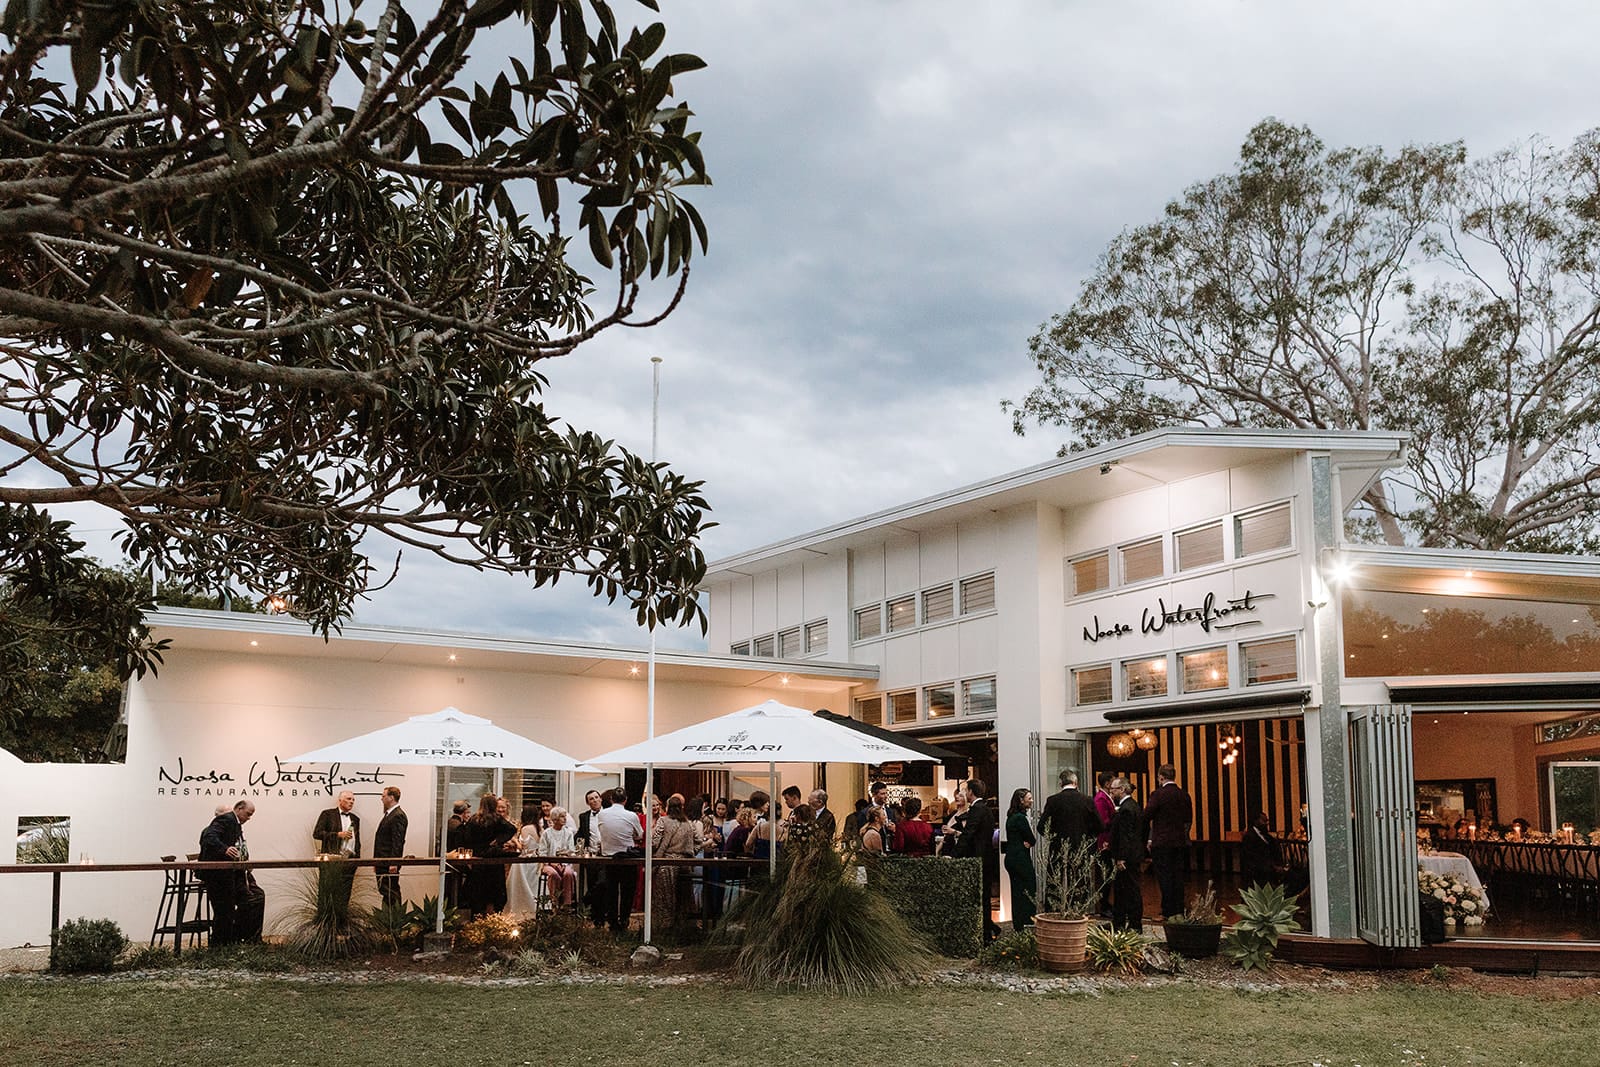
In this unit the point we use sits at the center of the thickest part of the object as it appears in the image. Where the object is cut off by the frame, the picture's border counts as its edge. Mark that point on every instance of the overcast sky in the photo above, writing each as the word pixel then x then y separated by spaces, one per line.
pixel 905 191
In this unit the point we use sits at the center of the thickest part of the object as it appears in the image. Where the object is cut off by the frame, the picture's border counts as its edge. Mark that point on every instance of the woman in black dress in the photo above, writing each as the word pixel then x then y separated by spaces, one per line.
pixel 487 834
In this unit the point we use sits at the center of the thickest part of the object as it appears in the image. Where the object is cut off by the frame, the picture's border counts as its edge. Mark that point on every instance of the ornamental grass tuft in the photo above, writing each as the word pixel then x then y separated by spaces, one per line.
pixel 328 919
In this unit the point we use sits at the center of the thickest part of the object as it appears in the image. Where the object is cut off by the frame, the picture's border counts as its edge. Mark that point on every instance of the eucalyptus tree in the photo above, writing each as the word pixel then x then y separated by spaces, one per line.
pixel 277 276
pixel 1355 288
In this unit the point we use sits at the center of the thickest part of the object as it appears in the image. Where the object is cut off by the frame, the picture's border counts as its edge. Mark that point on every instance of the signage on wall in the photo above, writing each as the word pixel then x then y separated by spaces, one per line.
pixel 1214 613
pixel 274 779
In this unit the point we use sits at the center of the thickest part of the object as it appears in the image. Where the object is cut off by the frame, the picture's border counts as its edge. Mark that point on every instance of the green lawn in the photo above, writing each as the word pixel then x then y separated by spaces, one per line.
pixel 228 1021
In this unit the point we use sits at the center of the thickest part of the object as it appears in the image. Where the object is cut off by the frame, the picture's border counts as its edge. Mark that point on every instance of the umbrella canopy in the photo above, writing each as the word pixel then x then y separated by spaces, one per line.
pixel 767 733
pixel 448 738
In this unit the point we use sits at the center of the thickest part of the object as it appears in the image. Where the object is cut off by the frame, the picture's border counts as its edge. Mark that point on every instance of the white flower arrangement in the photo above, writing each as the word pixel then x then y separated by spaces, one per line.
pixel 1461 901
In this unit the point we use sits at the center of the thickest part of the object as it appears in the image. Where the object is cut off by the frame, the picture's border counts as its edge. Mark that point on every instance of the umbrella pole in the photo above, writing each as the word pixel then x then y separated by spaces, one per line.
pixel 772 821
pixel 444 830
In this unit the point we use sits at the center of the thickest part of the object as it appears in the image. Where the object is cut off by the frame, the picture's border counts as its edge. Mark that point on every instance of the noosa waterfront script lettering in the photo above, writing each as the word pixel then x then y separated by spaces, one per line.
pixel 1214 613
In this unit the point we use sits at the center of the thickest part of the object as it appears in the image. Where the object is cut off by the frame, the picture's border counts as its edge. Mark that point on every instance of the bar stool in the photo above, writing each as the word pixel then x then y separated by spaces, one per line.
pixel 174 915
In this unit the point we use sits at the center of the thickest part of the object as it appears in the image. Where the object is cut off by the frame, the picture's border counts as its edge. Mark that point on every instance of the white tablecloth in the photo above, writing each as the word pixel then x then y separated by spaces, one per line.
pixel 1454 865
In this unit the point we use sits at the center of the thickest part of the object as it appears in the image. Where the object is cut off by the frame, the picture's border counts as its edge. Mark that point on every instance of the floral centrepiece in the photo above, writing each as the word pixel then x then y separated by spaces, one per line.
pixel 1462 902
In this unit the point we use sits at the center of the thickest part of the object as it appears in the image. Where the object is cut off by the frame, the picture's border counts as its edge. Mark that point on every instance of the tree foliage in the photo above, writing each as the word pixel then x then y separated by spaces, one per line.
pixel 274 279
pixel 1354 288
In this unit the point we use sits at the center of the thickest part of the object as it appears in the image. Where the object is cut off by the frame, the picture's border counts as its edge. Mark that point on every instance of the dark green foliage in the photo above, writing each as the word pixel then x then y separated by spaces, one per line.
pixel 275 280
pixel 1361 289
pixel 938 898
pixel 1071 879
pixel 86 946
pixel 1117 950
pixel 326 922
pixel 1265 913
pixel 560 934
pixel 815 927
pixel 1013 950
pixel 50 841
pixel 392 928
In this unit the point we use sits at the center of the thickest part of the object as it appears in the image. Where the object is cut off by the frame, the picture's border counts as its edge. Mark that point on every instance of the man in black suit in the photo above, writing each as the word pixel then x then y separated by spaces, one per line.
pixel 1069 819
pixel 237 903
pixel 390 840
pixel 1168 813
pixel 826 823
pixel 1126 853
pixel 587 835
pixel 338 833
pixel 977 840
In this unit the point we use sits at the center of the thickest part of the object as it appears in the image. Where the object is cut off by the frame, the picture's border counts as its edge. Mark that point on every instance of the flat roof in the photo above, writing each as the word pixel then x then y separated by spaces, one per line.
pixel 243 633
pixel 1109 471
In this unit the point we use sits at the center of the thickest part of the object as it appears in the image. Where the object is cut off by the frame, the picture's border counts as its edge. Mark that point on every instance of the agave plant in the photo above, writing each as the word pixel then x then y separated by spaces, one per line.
pixel 1265 913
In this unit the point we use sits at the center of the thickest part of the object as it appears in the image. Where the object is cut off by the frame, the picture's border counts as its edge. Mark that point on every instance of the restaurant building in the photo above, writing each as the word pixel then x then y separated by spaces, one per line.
pixel 1188 596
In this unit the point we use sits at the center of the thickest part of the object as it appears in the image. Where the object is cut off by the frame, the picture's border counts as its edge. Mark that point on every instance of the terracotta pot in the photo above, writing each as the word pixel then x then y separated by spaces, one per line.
pixel 1194 941
pixel 1062 941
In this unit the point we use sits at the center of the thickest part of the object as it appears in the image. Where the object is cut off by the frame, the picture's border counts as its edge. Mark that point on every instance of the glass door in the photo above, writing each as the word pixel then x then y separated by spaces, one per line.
pixel 1052 754
pixel 1383 795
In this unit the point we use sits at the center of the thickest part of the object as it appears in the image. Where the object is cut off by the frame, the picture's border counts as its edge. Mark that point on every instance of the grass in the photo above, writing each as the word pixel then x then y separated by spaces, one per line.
pixel 269 1021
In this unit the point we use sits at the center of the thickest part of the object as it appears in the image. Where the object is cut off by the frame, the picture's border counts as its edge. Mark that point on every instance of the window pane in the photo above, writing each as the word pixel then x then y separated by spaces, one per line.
pixel 903 707
pixel 1393 633
pixel 869 622
pixel 1269 661
pixel 902 613
pixel 870 710
pixel 1145 678
pixel 1207 669
pixel 817 636
pixel 939 603
pixel 766 646
pixel 977 594
pixel 941 701
pixel 978 696
pixel 1091 685
pixel 1091 574
pixel 789 643
pixel 1199 548
pixel 1141 562
pixel 1264 531
pixel 741 649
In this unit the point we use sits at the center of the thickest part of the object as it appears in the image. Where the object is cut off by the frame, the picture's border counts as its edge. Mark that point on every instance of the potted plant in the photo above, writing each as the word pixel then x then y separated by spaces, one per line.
pixel 1197 932
pixel 1073 881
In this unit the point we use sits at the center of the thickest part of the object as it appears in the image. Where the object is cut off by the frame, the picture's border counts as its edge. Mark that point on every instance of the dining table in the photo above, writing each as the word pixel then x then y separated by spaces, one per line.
pixel 1454 865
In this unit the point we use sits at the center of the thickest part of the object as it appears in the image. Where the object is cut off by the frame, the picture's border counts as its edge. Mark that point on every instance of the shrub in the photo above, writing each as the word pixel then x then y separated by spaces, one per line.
pixel 425 916
pixel 815 927
pixel 1202 910
pixel 1266 913
pixel 495 930
pixel 559 935
pixel 1014 950
pixel 324 921
pixel 1072 879
pixel 1122 950
pixel 87 946
pixel 938 898
pixel 150 958
pixel 391 926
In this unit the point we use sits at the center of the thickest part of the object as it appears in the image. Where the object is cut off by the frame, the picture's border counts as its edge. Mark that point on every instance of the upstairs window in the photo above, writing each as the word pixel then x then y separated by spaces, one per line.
pixel 789 643
pixel 766 646
pixel 938 603
pixel 1142 561
pixel 1091 685
pixel 817 636
pixel 870 710
pixel 869 622
pixel 1091 574
pixel 977 594
pixel 1200 547
pixel 902 613
pixel 1203 670
pixel 978 696
pixel 1263 531
pixel 1265 662
pixel 941 701
pixel 903 707
pixel 1145 678
pixel 741 648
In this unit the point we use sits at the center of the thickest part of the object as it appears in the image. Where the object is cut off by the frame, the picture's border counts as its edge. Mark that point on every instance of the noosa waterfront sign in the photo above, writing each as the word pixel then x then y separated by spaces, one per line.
pixel 1213 613
pixel 263 779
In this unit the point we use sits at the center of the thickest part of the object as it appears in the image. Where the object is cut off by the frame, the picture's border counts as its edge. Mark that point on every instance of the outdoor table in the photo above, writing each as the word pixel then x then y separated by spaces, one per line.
pixel 1454 865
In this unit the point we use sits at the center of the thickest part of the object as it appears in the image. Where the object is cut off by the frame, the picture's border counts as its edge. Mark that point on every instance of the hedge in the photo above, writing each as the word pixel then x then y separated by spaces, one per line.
pixel 939 898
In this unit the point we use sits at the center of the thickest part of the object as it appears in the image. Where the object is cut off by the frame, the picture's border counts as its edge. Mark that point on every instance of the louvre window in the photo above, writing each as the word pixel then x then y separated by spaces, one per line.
pixel 1263 531
pixel 1091 574
pixel 1141 562
pixel 1145 678
pixel 941 701
pixel 869 622
pixel 903 707
pixel 902 613
pixel 1091 685
pixel 789 643
pixel 766 646
pixel 938 603
pixel 1265 662
pixel 740 649
pixel 1203 670
pixel 1200 547
pixel 977 594
pixel 817 636
pixel 978 696
pixel 870 710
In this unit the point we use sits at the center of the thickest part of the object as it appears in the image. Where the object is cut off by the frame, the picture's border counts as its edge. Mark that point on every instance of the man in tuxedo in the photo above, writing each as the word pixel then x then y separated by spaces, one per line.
pixel 1126 853
pixel 826 823
pixel 1168 813
pixel 237 903
pixel 977 840
pixel 1069 819
pixel 587 835
pixel 338 833
pixel 390 840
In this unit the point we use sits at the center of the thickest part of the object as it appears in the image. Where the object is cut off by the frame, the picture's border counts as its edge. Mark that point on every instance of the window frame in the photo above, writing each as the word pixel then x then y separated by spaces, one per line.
pixel 926 698
pixel 888 613
pixel 922 604
pixel 889 709
pixel 771 652
pixel 810 648
pixel 964 693
pixel 1075 689
pixel 1178 566
pixel 739 648
pixel 861 702
pixel 1159 541
pixel 799 646
pixel 1073 561
pixel 1244 661
pixel 1240 517
pixel 962 609
pixel 1183 677
pixel 855 622
pixel 1128 694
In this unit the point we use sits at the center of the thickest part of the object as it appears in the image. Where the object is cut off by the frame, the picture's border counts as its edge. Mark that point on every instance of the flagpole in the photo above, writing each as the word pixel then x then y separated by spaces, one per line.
pixel 650 684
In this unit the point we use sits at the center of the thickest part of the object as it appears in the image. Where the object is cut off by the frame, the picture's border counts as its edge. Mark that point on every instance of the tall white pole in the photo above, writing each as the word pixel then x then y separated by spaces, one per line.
pixel 650 686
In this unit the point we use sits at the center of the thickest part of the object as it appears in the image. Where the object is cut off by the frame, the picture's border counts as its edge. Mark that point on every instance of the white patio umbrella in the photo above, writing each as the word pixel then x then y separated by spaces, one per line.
pixel 770 733
pixel 447 738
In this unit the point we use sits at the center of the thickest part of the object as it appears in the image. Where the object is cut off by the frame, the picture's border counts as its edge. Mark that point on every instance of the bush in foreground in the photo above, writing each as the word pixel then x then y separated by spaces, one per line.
pixel 87 946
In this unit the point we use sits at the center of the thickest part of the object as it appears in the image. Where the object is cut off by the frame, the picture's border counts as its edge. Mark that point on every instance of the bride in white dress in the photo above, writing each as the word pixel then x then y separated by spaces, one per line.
pixel 522 886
